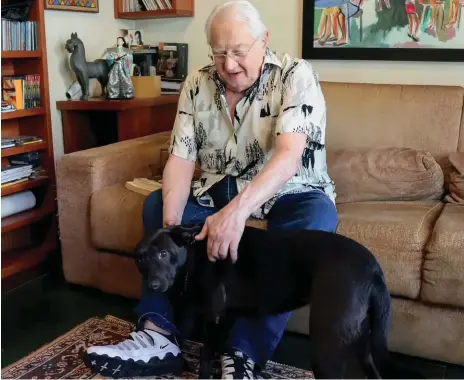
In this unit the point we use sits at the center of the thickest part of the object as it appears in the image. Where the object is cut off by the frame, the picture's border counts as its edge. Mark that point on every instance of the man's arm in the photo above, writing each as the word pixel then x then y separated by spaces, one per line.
pixel 177 176
pixel 179 169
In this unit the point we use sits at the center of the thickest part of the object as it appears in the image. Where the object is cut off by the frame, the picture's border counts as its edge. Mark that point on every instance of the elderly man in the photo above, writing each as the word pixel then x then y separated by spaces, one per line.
pixel 255 121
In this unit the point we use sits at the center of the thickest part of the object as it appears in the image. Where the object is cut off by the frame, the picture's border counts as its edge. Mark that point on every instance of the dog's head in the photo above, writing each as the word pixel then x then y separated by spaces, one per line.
pixel 162 253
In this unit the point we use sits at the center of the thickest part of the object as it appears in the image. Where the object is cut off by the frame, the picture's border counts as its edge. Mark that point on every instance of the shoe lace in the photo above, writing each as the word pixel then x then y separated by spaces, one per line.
pixel 137 336
pixel 237 363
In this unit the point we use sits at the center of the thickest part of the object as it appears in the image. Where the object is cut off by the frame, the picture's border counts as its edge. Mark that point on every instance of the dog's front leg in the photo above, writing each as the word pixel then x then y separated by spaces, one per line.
pixel 207 352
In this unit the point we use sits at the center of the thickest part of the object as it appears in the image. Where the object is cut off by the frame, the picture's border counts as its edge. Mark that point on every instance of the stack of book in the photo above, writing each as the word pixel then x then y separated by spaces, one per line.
pixel 30 158
pixel 170 86
pixel 15 173
pixel 149 5
pixel 19 35
pixel 8 142
pixel 11 142
pixel 21 91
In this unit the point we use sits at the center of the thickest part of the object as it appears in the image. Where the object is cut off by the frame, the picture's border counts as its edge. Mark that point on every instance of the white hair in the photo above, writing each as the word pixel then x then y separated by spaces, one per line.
pixel 244 11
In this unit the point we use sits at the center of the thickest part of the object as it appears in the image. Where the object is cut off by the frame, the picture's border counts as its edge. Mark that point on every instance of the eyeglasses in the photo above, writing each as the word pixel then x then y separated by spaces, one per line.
pixel 236 55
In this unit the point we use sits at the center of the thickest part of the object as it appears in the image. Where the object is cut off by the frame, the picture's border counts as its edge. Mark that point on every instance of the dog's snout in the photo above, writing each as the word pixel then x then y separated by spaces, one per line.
pixel 155 284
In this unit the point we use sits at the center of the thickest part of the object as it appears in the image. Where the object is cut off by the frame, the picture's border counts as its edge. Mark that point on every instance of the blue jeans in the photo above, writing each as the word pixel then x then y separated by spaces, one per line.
pixel 256 338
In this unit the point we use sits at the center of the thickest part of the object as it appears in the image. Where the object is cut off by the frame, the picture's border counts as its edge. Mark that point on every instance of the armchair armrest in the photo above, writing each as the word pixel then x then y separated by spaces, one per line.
pixel 82 173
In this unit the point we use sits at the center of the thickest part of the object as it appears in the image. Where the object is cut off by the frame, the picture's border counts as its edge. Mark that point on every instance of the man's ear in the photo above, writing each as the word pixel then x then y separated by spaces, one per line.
pixel 185 234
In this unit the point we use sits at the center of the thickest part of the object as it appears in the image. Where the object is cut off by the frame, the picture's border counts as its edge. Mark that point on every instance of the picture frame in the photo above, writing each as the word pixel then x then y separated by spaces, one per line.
pixel 415 32
pixel 87 6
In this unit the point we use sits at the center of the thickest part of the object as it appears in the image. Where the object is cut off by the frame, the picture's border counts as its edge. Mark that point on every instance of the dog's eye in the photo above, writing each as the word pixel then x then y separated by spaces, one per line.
pixel 162 254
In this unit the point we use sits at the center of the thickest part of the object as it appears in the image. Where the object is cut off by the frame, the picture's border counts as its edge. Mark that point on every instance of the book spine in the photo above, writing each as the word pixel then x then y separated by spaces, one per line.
pixel 19 35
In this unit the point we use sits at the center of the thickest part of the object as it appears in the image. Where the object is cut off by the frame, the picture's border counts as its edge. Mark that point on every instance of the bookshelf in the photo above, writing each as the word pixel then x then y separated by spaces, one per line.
pixel 180 8
pixel 21 259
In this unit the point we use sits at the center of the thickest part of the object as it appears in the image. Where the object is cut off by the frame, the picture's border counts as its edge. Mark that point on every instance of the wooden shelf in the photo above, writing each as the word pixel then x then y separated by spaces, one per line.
pixel 180 8
pixel 23 260
pixel 24 149
pixel 23 113
pixel 22 219
pixel 20 264
pixel 17 54
pixel 164 13
pixel 100 104
pixel 29 184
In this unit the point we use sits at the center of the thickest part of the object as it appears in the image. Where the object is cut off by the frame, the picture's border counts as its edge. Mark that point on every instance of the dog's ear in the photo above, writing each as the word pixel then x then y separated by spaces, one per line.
pixel 185 234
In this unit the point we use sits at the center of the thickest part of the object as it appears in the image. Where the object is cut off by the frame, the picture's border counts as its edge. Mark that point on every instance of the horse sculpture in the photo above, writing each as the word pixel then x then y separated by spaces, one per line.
pixel 84 70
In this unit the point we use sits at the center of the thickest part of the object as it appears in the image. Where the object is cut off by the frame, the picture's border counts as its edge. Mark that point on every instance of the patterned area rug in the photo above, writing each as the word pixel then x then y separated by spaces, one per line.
pixel 62 358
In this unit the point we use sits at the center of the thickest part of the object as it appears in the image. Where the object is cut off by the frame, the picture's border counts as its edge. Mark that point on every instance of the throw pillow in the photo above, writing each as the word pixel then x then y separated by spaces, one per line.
pixel 455 179
pixel 385 174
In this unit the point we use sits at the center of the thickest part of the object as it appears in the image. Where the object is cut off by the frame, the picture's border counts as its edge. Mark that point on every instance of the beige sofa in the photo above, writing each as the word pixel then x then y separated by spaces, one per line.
pixel 419 242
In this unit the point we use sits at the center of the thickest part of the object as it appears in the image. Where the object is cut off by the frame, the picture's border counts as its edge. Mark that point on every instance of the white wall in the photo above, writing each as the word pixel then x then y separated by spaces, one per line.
pixel 97 30
pixel 282 18
pixel 284 22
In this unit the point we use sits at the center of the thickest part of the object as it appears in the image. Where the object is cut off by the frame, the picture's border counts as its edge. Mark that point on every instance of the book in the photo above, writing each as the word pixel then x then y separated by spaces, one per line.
pixel 13 173
pixel 19 35
pixel 30 158
pixel 21 91
pixel 9 142
pixel 144 186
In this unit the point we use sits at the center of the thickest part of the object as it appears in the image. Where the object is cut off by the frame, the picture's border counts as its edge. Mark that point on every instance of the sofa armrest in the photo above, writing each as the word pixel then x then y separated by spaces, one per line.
pixel 78 176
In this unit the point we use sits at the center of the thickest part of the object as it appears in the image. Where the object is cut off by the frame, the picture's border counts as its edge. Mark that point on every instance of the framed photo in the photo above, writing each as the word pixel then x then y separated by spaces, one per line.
pixel 393 30
pixel 90 6
pixel 134 37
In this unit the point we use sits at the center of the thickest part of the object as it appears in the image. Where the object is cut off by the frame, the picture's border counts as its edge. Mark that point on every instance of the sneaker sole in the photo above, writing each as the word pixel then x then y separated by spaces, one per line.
pixel 116 367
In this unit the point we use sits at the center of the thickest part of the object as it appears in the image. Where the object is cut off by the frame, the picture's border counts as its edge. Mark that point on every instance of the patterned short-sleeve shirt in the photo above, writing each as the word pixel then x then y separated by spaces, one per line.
pixel 286 98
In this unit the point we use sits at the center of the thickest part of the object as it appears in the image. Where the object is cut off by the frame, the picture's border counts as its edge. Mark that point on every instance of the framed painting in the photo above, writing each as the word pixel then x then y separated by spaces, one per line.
pixel 73 5
pixel 395 30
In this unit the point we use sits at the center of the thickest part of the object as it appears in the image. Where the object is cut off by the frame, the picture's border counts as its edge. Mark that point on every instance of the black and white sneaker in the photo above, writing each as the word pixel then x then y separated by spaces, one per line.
pixel 236 365
pixel 145 353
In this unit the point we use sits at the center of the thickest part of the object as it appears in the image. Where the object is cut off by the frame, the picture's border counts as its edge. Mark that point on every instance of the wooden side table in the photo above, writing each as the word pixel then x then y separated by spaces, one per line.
pixel 97 122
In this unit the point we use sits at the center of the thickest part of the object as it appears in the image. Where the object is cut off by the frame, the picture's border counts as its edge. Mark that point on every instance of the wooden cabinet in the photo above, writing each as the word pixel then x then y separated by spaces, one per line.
pixel 97 122
pixel 180 8
pixel 37 224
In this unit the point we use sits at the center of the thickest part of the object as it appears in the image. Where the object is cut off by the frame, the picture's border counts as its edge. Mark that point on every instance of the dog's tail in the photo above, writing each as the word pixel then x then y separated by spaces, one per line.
pixel 379 359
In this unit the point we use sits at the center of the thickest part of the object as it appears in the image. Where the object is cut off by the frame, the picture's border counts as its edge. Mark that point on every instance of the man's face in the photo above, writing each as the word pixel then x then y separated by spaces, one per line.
pixel 241 66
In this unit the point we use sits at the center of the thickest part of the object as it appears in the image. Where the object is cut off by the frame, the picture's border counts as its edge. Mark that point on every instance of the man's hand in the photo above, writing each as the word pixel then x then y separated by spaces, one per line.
pixel 224 230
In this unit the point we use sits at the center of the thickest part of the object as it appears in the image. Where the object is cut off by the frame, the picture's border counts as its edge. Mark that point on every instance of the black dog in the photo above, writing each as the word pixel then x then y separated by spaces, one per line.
pixel 276 272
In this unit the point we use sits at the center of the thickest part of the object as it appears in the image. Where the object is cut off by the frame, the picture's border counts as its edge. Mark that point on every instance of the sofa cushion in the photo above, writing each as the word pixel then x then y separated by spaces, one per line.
pixel 443 277
pixel 116 218
pixel 455 179
pixel 384 174
pixel 396 233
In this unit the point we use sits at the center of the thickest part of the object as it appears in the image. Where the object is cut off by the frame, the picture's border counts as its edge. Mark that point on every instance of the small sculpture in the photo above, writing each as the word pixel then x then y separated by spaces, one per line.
pixel 121 42
pixel 85 70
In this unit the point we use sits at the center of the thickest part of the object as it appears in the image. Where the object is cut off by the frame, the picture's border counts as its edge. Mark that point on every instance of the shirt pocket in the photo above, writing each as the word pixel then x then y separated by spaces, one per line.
pixel 210 129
